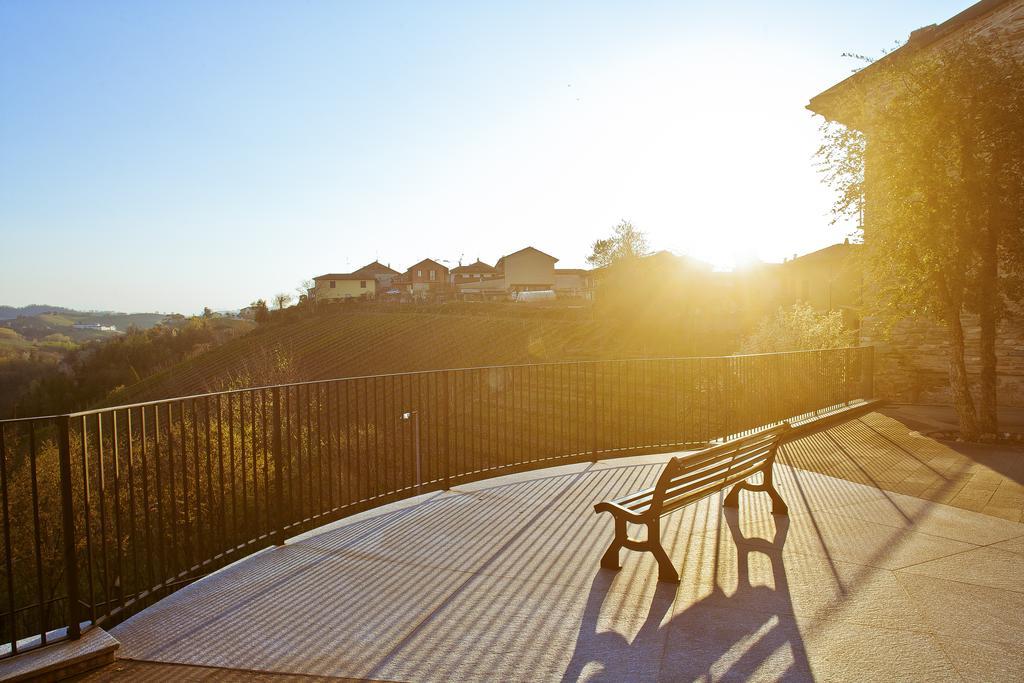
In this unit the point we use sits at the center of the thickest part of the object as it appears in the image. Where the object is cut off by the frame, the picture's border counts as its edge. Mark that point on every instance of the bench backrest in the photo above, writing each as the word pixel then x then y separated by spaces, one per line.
pixel 690 477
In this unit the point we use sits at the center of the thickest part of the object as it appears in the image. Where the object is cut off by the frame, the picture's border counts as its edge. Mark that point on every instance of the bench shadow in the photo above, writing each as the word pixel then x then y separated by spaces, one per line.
pixel 732 637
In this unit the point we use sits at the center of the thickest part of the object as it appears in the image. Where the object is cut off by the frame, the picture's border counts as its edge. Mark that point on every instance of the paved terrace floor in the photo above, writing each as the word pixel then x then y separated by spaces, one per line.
pixel 500 581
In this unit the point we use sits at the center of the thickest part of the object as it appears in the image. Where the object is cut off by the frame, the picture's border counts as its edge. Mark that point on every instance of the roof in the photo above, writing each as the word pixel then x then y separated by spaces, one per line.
pixel 377 268
pixel 501 261
pixel 476 267
pixel 571 271
pixel 840 250
pixel 826 104
pixel 343 276
pixel 424 262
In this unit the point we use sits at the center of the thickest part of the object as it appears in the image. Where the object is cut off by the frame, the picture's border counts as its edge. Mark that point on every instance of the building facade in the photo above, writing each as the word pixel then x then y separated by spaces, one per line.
pixel 341 286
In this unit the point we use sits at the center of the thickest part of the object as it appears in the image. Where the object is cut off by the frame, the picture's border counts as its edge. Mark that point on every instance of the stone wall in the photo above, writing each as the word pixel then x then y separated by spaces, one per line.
pixel 912 363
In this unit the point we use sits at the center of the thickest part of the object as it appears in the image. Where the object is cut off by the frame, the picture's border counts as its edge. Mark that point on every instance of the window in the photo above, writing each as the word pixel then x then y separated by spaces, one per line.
pixel 362 284
pixel 332 284
pixel 419 273
pixel 433 275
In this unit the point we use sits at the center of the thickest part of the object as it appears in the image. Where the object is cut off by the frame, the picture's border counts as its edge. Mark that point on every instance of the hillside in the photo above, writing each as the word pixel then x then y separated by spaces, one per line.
pixel 341 343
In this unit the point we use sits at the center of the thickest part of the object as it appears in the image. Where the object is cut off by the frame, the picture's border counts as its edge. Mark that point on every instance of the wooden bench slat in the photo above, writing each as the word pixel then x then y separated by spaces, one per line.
pixel 726 456
pixel 700 485
pixel 681 483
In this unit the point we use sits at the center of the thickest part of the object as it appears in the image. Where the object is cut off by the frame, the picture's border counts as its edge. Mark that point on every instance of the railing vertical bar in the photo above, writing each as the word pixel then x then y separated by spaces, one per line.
pixel 231 469
pixel 333 445
pixel 70 545
pixel 320 446
pixel 210 550
pixel 188 549
pixel 289 457
pixel 158 497
pixel 299 449
pixel 365 463
pixel 143 458
pixel 174 565
pixel 332 450
pixel 394 424
pixel 117 508
pixel 101 467
pixel 351 481
pixel 198 554
pixel 136 574
pixel 265 435
pixel 243 470
pixel 223 505
pixel 8 547
pixel 37 530
pixel 279 516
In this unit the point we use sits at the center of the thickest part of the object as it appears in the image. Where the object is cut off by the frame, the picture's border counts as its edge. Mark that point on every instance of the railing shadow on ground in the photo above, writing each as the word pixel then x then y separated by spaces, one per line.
pixel 735 650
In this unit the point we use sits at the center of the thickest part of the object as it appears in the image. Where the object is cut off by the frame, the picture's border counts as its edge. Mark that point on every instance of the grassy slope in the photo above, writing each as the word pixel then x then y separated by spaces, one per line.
pixel 345 344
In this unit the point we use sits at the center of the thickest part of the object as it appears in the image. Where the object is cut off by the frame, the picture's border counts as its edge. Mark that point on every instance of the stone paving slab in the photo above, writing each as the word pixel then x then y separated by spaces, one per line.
pixel 499 580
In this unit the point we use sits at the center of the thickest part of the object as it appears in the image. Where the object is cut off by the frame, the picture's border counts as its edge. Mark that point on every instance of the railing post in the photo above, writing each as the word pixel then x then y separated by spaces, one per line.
pixel 278 467
pixel 68 521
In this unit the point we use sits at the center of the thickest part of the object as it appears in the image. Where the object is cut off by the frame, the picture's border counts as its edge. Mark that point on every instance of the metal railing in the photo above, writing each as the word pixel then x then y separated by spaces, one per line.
pixel 106 511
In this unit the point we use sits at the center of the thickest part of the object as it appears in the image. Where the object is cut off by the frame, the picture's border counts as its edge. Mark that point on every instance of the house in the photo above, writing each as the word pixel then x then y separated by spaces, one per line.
pixel 341 286
pixel 574 283
pixel 474 272
pixel 526 270
pixel 425 279
pixel 379 272
pixel 829 279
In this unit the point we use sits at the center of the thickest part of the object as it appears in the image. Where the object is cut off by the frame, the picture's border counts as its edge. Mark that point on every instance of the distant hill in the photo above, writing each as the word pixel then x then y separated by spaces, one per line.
pixel 354 341
pixel 37 322
pixel 11 312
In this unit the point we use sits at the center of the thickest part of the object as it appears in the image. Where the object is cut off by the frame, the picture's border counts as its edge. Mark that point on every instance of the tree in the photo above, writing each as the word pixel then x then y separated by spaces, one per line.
pixel 207 313
pixel 940 163
pixel 282 299
pixel 261 313
pixel 626 242
pixel 303 289
pixel 799 328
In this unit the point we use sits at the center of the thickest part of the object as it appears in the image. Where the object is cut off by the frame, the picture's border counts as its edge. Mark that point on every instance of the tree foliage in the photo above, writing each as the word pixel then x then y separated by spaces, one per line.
pixel 625 242
pixel 798 328
pixel 937 171
pixel 261 313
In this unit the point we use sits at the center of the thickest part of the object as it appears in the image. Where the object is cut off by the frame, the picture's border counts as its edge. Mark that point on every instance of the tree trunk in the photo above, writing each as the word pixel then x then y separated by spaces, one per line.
pixel 988 420
pixel 958 379
pixel 989 307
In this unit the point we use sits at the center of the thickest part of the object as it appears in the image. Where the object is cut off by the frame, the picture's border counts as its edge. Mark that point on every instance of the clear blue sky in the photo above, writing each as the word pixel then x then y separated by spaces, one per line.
pixel 167 156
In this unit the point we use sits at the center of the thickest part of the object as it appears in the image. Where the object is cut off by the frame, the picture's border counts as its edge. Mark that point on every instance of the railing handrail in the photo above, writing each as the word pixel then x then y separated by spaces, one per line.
pixel 266 387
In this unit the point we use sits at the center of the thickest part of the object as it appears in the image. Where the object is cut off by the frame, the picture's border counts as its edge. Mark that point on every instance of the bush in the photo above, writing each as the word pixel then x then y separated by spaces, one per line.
pixel 799 328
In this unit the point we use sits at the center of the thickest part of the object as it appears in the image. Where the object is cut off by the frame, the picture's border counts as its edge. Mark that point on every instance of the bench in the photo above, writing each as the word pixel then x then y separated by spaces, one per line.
pixel 687 479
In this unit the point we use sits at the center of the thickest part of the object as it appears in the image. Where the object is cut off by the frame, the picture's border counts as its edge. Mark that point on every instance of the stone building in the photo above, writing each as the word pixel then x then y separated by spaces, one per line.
pixel 911 361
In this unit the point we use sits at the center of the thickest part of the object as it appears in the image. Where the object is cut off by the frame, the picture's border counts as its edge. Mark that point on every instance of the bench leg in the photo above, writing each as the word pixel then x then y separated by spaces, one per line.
pixel 666 572
pixel 610 559
pixel 732 499
pixel 779 507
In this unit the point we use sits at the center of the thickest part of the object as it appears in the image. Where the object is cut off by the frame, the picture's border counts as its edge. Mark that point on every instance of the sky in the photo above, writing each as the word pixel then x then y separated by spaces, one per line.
pixel 171 156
